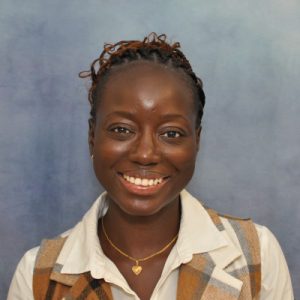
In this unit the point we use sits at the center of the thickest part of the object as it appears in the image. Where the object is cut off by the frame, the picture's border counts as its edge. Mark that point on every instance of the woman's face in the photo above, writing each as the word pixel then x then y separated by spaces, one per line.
pixel 145 140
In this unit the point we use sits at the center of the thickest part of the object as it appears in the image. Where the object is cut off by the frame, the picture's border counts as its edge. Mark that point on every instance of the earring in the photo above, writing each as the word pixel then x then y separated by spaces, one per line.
pixel 92 157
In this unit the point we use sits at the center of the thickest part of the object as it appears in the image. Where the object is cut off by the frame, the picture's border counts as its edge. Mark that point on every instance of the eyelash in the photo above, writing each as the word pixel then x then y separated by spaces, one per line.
pixel 120 133
pixel 121 130
pixel 174 134
pixel 124 131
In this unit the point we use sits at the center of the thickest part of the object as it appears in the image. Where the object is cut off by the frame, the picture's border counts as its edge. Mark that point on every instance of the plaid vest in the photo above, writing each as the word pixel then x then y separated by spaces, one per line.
pixel 217 275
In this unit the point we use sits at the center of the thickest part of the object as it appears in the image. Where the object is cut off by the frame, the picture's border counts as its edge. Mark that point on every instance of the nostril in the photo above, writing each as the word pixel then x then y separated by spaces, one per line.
pixel 145 157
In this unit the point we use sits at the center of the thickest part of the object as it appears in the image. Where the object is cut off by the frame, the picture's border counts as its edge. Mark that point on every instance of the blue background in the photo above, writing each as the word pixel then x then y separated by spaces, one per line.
pixel 246 52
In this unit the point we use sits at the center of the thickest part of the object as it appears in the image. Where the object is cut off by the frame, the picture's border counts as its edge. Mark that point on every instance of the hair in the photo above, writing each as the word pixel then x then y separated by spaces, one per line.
pixel 153 48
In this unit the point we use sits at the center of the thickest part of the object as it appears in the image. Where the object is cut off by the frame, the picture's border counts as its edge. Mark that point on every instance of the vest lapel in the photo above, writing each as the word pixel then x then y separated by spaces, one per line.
pixel 83 286
pixel 204 278
pixel 66 279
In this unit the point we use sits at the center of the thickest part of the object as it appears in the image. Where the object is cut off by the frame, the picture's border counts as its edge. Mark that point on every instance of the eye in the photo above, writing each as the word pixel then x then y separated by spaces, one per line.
pixel 121 130
pixel 172 134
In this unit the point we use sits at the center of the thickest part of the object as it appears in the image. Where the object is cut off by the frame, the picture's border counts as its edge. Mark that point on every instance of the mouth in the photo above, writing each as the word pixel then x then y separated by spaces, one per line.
pixel 143 185
pixel 143 181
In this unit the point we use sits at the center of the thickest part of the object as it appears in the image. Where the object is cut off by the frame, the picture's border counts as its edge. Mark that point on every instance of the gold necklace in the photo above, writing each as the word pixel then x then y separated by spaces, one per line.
pixel 137 269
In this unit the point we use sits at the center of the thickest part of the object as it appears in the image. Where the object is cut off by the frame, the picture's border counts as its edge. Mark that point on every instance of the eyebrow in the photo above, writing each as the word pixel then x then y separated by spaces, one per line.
pixel 173 116
pixel 131 115
pixel 121 113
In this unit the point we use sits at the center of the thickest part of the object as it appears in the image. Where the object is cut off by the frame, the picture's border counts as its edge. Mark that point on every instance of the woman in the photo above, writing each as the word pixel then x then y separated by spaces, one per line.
pixel 146 237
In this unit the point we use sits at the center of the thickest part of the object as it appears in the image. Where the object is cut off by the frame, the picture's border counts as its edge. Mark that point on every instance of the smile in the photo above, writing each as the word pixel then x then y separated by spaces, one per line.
pixel 143 181
pixel 143 185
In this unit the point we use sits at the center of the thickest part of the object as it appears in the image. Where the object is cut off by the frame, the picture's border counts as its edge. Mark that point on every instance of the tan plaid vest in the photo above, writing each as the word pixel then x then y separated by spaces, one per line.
pixel 209 276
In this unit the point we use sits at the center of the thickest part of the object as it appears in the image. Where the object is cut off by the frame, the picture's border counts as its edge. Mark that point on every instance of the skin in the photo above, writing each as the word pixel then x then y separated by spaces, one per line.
pixel 145 128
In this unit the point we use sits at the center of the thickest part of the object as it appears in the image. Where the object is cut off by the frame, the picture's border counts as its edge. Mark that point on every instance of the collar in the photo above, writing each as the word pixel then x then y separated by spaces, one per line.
pixel 198 234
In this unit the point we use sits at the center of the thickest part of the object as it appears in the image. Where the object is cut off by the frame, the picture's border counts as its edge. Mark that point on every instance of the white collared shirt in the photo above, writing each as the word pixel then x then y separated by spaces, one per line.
pixel 198 234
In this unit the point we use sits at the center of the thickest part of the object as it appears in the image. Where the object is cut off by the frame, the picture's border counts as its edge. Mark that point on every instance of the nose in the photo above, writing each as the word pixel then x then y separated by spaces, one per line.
pixel 145 151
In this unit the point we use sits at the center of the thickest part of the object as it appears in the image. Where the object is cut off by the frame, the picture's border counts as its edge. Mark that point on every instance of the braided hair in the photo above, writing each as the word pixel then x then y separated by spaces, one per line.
pixel 153 48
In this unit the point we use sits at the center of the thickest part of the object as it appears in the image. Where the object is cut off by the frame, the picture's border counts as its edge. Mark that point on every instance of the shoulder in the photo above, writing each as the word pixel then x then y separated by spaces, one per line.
pixel 275 277
pixel 27 262
pixel 276 281
pixel 21 284
pixel 257 245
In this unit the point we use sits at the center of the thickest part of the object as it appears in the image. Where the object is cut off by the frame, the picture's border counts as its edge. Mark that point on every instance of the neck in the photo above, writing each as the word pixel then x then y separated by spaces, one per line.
pixel 139 236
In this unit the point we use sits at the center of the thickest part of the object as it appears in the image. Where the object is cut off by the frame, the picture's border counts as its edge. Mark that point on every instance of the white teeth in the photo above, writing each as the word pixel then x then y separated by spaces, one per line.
pixel 138 181
pixel 143 181
pixel 158 180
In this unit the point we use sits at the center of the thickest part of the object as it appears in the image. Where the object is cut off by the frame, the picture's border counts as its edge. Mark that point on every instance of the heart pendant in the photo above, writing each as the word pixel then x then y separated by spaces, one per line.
pixel 136 269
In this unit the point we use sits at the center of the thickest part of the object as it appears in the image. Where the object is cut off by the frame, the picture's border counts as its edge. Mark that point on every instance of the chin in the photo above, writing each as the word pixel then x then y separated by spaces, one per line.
pixel 136 206
pixel 140 207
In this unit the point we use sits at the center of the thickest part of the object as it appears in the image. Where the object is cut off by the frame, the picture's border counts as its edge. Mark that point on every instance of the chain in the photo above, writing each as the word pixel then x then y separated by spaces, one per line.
pixel 137 260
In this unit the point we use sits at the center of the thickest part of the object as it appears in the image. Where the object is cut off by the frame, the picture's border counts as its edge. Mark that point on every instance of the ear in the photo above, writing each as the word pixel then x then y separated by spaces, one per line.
pixel 198 135
pixel 91 136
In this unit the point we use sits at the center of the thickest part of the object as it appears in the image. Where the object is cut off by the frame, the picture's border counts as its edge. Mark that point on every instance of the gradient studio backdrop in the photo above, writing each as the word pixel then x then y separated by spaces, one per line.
pixel 246 52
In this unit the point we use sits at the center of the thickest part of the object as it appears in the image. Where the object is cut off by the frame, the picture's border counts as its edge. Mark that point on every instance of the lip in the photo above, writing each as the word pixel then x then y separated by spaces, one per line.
pixel 143 190
pixel 143 174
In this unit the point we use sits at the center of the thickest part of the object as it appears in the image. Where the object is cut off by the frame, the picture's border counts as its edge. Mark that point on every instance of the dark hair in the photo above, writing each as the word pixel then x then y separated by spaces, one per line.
pixel 153 48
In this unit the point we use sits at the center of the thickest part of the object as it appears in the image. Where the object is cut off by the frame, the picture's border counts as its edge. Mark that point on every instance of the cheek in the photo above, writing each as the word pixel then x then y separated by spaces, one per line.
pixel 108 151
pixel 183 158
pixel 107 155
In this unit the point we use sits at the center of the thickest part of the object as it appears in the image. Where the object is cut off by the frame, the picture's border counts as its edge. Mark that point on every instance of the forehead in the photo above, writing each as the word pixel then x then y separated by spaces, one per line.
pixel 148 85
